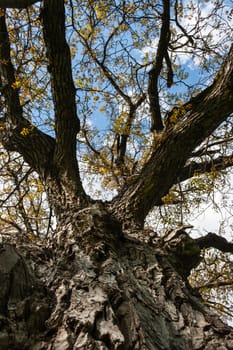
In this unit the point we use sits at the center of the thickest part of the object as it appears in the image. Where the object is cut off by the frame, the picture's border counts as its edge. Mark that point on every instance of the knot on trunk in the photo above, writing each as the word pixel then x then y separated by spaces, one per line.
pixel 183 251
pixel 92 228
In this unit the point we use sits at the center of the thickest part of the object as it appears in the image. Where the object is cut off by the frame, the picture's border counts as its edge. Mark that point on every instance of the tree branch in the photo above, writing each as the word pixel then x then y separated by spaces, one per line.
pixel 17 3
pixel 2 202
pixel 206 150
pixel 12 223
pixel 35 146
pixel 156 119
pixel 101 62
pixel 194 168
pixel 211 240
pixel 124 136
pixel 67 123
pixel 175 146
pixel 215 284
pixel 190 39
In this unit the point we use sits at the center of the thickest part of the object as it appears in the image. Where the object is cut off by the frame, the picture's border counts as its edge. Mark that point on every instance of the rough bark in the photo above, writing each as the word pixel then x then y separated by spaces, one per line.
pixel 24 302
pixel 174 146
pixel 97 288
pixel 67 124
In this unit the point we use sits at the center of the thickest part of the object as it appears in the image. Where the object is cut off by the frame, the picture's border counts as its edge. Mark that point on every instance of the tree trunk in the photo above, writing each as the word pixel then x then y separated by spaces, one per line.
pixel 100 288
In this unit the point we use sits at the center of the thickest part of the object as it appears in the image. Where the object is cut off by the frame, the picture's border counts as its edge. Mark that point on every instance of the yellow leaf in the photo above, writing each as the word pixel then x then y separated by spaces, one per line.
pixel 31 236
pixel 100 13
pixel 32 49
pixel 102 108
pixel 16 84
pixel 24 132
pixel 89 27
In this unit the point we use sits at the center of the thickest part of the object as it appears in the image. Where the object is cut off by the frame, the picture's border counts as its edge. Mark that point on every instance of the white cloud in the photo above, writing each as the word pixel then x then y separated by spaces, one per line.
pixel 204 23
pixel 210 25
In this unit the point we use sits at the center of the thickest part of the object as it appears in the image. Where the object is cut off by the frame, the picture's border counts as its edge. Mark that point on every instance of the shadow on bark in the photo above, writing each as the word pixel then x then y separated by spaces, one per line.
pixel 97 288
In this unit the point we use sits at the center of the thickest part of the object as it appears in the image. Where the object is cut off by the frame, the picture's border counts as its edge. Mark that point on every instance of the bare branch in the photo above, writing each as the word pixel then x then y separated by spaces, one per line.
pixel 194 168
pixel 190 39
pixel 206 149
pixel 215 284
pixel 101 62
pixel 123 138
pixel 11 223
pixel 95 151
pixel 17 186
pixel 109 75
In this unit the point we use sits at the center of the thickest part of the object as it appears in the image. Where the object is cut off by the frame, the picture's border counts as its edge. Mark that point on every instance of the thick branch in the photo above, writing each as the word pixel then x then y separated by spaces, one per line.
pixel 175 146
pixel 17 3
pixel 211 240
pixel 67 124
pixel 66 121
pixel 35 146
pixel 153 91
pixel 7 76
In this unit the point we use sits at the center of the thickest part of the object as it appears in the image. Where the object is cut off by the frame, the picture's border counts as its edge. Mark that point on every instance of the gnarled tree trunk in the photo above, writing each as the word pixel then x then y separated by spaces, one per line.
pixel 99 288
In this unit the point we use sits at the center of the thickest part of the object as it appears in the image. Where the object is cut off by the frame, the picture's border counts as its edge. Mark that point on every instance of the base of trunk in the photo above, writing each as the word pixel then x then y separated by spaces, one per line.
pixel 112 293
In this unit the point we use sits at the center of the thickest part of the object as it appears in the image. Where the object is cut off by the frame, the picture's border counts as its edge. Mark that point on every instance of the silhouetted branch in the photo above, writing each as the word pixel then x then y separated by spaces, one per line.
pixel 156 119
pixel 211 240
pixel 190 39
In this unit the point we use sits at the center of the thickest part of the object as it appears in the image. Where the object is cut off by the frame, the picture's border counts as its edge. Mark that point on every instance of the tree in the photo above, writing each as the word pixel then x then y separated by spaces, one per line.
pixel 23 206
pixel 103 281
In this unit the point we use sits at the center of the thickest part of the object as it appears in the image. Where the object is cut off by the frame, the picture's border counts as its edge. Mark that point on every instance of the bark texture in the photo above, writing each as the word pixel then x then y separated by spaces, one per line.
pixel 24 302
pixel 97 288
pixel 102 282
